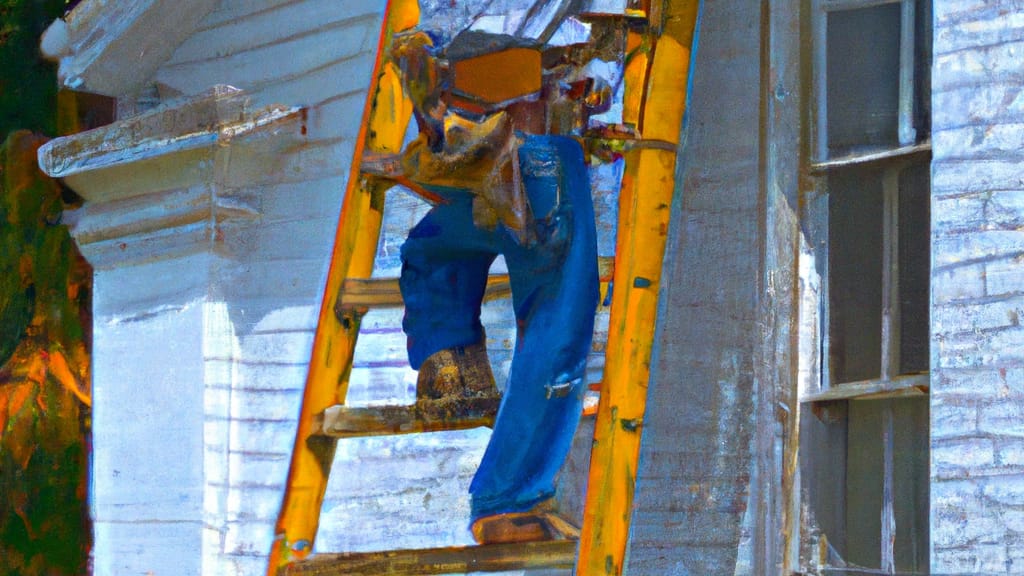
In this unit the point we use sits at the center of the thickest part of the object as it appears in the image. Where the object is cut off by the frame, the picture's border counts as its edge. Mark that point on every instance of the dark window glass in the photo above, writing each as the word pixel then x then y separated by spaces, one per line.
pixel 923 68
pixel 865 478
pixel 855 274
pixel 914 267
pixel 862 74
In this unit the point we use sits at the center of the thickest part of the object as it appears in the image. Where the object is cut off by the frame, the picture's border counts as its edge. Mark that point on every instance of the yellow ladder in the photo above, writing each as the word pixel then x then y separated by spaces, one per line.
pixel 657 64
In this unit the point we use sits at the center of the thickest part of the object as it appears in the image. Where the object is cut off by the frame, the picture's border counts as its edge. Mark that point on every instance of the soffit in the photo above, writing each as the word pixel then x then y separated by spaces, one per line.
pixel 113 47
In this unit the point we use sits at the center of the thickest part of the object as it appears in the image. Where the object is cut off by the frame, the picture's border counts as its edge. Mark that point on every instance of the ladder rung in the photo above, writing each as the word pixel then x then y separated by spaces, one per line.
pixel 630 15
pixel 387 166
pixel 384 292
pixel 347 422
pixel 451 560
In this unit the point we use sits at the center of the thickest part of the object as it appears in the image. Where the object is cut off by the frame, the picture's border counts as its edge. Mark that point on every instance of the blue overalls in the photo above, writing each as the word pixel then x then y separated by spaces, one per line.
pixel 555 292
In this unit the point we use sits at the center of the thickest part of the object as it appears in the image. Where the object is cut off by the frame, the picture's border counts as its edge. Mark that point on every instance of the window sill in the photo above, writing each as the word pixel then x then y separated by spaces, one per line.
pixel 835 5
pixel 835 571
pixel 909 385
pixel 862 158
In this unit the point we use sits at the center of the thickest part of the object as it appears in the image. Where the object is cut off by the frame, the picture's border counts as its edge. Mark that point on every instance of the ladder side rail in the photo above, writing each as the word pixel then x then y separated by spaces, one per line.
pixel 656 83
pixel 385 117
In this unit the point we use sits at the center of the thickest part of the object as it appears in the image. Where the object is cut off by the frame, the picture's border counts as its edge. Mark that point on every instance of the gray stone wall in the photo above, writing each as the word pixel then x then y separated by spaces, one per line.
pixel 977 392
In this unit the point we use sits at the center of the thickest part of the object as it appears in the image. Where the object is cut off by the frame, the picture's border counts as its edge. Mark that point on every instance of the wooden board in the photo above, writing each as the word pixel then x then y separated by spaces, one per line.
pixel 873 389
pixel 450 560
pixel 344 422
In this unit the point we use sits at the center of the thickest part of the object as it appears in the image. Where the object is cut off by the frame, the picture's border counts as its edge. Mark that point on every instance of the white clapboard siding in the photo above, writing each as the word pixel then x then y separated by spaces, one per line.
pixel 228 11
pixel 299 200
pixel 270 26
pixel 285 58
pixel 335 114
pixel 405 502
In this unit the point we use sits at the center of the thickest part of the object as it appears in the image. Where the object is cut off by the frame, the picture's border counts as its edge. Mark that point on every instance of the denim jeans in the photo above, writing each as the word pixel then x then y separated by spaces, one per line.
pixel 445 262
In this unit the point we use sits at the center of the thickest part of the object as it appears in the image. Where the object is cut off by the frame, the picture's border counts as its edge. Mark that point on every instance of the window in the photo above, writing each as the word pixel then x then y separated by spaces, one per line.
pixel 865 449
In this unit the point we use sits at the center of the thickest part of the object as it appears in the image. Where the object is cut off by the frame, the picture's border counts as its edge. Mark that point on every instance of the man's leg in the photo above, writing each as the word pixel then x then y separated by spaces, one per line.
pixel 555 291
pixel 445 261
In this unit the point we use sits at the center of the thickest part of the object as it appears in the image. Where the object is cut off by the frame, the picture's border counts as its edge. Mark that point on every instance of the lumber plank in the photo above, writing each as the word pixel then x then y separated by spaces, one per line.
pixel 345 422
pixel 448 560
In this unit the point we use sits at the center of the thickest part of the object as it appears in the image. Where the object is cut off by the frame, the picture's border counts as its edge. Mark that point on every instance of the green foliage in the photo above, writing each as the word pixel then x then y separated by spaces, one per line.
pixel 22 233
pixel 44 525
pixel 28 85
pixel 16 302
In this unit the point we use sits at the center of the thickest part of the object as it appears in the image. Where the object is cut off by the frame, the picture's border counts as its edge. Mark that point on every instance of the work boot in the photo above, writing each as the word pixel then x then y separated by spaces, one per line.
pixel 542 522
pixel 457 383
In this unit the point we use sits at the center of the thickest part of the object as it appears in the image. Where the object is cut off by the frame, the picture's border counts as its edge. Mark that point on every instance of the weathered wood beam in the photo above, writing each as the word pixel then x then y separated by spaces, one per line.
pixel 450 560
pixel 344 422
pixel 348 422
pixel 855 571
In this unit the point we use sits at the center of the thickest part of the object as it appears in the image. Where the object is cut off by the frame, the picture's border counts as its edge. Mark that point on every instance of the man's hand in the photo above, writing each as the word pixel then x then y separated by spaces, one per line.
pixel 383 165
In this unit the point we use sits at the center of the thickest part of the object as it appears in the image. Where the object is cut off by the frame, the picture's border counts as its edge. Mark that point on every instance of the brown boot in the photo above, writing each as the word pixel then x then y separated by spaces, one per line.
pixel 457 383
pixel 542 522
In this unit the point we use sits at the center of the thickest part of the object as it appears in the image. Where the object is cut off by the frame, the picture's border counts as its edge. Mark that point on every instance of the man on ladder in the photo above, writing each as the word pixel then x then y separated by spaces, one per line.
pixel 496 155
pixel 512 181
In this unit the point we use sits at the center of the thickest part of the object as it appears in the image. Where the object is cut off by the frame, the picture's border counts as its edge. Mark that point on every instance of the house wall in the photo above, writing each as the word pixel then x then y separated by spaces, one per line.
pixel 159 226
pixel 148 504
pixel 313 54
pixel 977 390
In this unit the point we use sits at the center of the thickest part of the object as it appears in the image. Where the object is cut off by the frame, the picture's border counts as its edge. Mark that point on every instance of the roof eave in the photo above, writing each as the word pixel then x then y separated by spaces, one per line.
pixel 114 47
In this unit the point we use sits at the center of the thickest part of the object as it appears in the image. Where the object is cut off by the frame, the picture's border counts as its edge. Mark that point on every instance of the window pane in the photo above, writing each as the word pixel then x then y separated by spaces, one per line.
pixel 910 483
pixel 914 262
pixel 864 482
pixel 855 274
pixel 865 479
pixel 862 76
pixel 823 471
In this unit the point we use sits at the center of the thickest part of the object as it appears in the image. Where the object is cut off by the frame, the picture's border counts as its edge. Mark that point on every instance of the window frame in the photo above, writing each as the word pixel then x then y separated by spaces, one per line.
pixel 907 134
pixel 909 150
pixel 894 159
